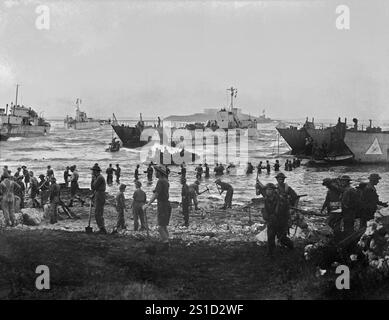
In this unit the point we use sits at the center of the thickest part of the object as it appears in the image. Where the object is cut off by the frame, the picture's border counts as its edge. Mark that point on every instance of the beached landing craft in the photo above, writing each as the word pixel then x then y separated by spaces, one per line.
pixel 321 145
pixel 81 121
pixel 296 137
pixel 20 121
pixel 338 144
pixel 368 146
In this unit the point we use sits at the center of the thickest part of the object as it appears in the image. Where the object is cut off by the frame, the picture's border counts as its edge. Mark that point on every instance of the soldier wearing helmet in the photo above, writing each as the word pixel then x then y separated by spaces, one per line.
pixel 278 199
pixel 332 205
pixel 350 203
pixel 371 199
pixel 185 201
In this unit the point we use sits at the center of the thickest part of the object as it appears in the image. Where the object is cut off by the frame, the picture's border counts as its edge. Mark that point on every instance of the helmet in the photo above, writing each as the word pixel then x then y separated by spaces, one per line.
pixel 280 175
pixel 270 186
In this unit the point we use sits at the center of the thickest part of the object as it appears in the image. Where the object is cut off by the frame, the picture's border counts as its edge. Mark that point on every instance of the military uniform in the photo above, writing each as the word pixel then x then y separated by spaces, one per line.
pixel 163 207
pixel 199 172
pixel 350 203
pixel 332 204
pixel 118 173
pixel 21 191
pixel 149 172
pixel 185 202
pixel 34 191
pixel 139 199
pixel 276 214
pixel 8 188
pixel 206 172
pixel 54 201
pixel 109 173
pixel 370 199
pixel 230 192
pixel 120 206
pixel 99 187
pixel 193 192
pixel 136 173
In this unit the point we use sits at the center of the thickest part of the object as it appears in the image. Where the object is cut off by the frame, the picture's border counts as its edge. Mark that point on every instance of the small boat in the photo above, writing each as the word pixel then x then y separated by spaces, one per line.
pixel 114 146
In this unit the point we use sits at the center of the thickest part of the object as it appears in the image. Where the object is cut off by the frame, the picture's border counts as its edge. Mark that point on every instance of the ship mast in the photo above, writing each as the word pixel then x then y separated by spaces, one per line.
pixel 233 93
pixel 17 91
pixel 78 102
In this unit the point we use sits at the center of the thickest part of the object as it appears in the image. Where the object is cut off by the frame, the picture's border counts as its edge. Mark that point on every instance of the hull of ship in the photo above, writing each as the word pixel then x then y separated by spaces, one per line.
pixel 295 138
pixel 333 138
pixel 83 125
pixel 8 131
pixel 130 136
pixel 368 147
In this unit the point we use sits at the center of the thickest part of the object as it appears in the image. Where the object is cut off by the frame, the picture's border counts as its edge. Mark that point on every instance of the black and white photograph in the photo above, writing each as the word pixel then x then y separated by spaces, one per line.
pixel 208 151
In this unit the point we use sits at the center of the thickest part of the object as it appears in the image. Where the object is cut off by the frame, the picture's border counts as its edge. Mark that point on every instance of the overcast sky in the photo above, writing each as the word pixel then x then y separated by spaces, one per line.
pixel 178 57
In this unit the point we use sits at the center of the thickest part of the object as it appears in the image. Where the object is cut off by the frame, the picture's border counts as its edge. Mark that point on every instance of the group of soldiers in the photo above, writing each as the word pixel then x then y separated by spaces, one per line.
pixel 343 203
pixel 23 182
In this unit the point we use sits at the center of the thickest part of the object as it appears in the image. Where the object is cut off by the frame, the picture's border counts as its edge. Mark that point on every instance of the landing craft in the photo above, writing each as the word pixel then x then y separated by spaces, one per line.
pixel 81 121
pixel 20 121
pixel 368 146
pixel 225 119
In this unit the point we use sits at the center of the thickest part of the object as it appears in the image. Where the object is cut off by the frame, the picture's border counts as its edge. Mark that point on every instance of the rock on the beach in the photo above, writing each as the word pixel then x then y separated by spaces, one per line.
pixel 18 218
pixel 32 216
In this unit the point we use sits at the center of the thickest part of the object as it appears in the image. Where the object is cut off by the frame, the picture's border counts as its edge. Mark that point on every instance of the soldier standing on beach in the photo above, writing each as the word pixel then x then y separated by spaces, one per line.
pixel 161 193
pixel 139 200
pixel 8 189
pixel 54 200
pixel 26 176
pixel 66 175
pixel 185 201
pixel 332 205
pixel 74 186
pixel 34 185
pixel 350 202
pixel 49 173
pixel 276 217
pixel 371 199
pixel 99 186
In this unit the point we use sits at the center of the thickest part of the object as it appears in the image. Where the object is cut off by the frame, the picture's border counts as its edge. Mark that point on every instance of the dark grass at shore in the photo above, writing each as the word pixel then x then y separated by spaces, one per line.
pixel 118 267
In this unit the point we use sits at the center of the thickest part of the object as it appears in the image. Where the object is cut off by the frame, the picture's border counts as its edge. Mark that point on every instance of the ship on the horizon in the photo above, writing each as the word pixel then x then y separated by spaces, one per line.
pixel 21 121
pixel 81 121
